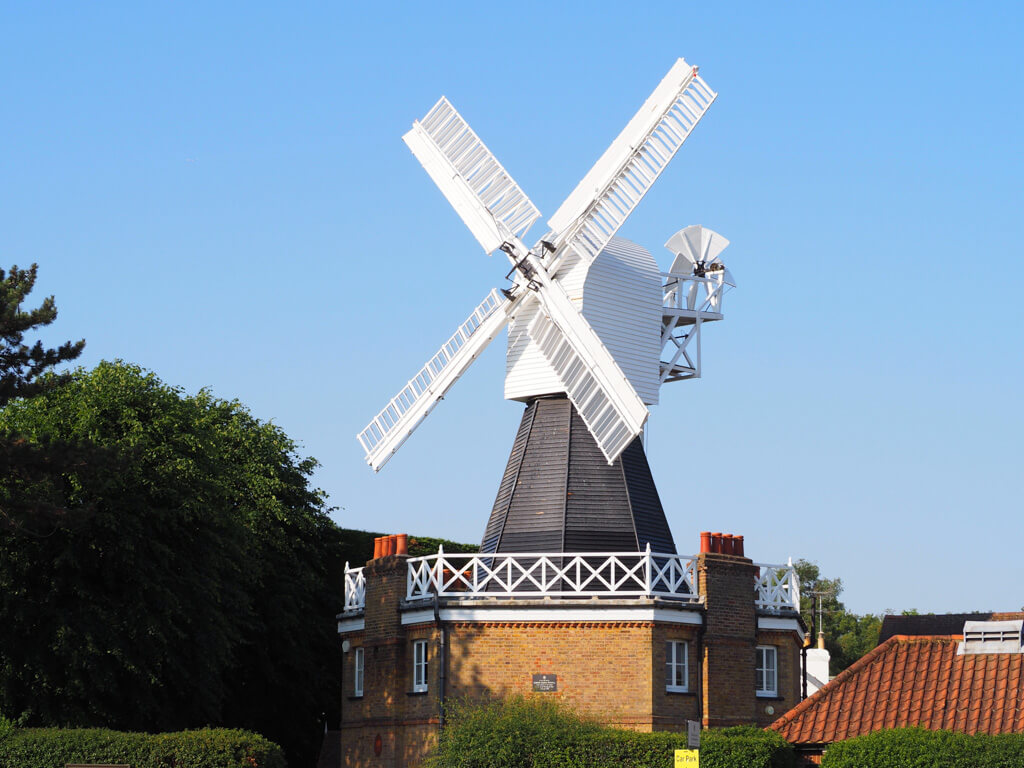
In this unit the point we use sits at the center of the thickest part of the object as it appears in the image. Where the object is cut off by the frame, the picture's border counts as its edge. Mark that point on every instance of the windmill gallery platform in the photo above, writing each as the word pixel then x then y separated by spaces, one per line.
pixel 640 640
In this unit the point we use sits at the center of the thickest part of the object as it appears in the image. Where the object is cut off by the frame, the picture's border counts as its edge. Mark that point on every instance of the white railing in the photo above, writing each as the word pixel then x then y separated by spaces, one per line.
pixel 355 589
pixel 699 294
pixel 777 587
pixel 590 574
pixel 536 574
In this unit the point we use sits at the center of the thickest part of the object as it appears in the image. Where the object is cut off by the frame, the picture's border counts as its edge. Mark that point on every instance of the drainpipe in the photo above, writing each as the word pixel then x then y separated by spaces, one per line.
pixel 442 660
pixel 700 673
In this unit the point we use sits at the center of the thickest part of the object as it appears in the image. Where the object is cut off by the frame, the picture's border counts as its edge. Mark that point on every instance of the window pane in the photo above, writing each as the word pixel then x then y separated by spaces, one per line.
pixel 684 664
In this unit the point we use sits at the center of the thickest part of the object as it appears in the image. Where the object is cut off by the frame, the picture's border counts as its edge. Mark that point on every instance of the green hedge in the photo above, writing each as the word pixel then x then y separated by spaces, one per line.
pixel 208 748
pixel 536 732
pixel 920 748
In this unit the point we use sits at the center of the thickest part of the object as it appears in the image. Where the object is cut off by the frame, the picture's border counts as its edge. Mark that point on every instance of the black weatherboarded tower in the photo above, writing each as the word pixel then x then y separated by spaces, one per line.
pixel 560 494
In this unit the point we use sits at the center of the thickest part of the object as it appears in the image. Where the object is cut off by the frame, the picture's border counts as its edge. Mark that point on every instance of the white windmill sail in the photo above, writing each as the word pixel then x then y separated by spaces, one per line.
pixel 613 429
pixel 602 201
pixel 480 190
pixel 498 213
pixel 392 426
pixel 593 380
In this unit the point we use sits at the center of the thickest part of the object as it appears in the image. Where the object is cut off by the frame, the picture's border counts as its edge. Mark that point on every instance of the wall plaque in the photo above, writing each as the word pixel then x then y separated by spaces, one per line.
pixel 545 683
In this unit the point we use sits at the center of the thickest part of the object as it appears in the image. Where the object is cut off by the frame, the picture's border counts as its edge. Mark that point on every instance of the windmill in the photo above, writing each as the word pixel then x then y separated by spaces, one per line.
pixel 588 316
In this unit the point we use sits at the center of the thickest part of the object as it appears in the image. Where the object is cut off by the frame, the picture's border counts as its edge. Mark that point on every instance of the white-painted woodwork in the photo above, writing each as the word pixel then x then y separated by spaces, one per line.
pixel 608 364
pixel 480 190
pixel 777 587
pixel 619 294
pixel 538 575
pixel 589 611
pixel 605 197
pixel 392 426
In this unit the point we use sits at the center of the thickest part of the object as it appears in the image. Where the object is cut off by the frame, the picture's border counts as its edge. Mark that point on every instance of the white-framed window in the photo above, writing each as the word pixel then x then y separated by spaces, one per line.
pixel 767 675
pixel 677 666
pixel 357 676
pixel 419 666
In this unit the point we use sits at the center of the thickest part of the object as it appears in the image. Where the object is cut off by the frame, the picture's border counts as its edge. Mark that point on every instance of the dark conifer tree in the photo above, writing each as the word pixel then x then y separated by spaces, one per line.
pixel 33 474
pixel 21 366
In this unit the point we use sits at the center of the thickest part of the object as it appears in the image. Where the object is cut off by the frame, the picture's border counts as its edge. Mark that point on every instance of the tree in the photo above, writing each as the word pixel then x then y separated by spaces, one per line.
pixel 21 366
pixel 33 471
pixel 847 635
pixel 200 588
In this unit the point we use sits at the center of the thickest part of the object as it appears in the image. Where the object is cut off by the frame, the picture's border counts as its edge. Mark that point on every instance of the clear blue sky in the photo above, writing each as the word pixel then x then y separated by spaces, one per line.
pixel 221 194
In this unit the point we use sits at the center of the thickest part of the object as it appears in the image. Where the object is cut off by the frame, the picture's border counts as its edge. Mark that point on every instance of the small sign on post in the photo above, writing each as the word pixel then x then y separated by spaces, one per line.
pixel 545 683
pixel 687 758
pixel 693 734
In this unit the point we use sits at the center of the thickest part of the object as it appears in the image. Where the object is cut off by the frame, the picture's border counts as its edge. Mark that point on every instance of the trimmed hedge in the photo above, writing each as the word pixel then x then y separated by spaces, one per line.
pixel 207 748
pixel 920 748
pixel 536 732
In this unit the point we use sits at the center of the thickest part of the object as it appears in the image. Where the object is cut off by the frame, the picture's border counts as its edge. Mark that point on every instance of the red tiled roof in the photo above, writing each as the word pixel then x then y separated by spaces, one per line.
pixel 913 681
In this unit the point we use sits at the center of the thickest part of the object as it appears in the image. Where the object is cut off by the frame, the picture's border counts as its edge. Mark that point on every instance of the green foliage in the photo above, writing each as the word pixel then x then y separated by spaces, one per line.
pixel 199 587
pixel 34 501
pixel 356 547
pixel 847 635
pixel 208 748
pixel 540 732
pixel 20 364
pixel 920 748
pixel 426 545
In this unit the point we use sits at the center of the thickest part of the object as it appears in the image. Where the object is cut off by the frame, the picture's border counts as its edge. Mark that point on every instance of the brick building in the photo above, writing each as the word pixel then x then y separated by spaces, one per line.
pixel 637 639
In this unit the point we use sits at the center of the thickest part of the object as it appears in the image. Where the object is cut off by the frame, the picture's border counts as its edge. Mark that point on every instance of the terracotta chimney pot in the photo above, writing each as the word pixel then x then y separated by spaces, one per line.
pixel 378 547
pixel 716 542
pixel 402 544
pixel 705 541
pixel 727 544
pixel 737 544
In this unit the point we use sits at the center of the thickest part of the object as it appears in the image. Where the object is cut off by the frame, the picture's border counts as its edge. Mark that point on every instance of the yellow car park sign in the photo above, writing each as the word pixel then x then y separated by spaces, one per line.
pixel 687 758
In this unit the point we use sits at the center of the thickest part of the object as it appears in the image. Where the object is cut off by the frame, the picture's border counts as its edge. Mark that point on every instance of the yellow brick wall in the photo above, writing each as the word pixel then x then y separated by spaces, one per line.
pixel 604 669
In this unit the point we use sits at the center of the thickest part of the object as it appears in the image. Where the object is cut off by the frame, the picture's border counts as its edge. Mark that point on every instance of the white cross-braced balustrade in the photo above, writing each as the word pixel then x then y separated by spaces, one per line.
pixel 562 574
pixel 355 589
pixel 778 587
pixel 536 574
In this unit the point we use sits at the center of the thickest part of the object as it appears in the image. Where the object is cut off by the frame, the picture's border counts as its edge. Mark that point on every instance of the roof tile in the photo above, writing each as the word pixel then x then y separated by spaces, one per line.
pixel 914 680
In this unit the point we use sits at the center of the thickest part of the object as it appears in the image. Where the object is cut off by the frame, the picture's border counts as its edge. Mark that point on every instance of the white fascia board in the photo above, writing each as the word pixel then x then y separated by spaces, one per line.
pixel 351 625
pixel 557 615
pixel 779 624
pixel 418 617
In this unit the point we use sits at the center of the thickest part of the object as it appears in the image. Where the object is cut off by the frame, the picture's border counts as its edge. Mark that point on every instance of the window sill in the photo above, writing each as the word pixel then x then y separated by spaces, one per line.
pixel 679 692
pixel 416 693
pixel 356 698
pixel 770 696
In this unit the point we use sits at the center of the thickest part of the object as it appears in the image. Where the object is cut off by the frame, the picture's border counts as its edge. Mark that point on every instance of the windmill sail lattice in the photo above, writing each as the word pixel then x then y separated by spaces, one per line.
pixel 611 429
pixel 483 194
pixel 390 428
pixel 602 201
pixel 499 214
